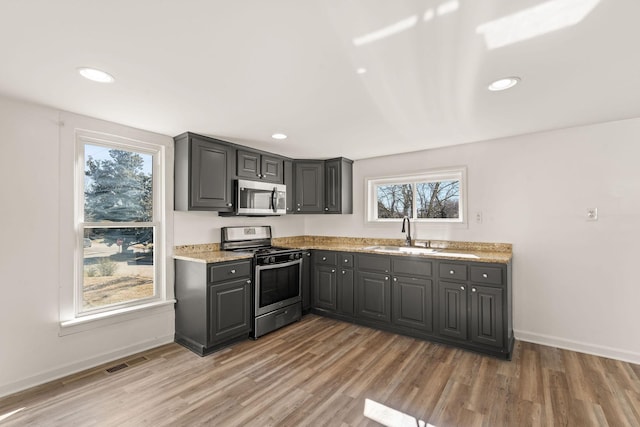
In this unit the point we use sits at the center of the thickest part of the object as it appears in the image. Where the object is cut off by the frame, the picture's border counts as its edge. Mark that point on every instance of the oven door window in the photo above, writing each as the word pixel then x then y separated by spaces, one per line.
pixel 279 284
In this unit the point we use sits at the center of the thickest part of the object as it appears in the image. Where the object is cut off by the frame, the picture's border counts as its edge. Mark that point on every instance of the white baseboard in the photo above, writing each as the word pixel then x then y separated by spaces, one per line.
pixel 581 347
pixel 75 367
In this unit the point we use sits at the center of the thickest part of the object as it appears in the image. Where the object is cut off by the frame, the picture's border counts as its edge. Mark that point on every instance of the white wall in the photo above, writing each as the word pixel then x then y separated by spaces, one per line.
pixel 204 227
pixel 575 282
pixel 32 183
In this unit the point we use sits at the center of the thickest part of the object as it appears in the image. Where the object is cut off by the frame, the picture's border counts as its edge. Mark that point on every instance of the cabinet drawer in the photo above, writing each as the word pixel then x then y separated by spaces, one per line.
pixel 411 267
pixel 492 275
pixel 374 263
pixel 222 272
pixel 326 258
pixel 453 271
pixel 346 260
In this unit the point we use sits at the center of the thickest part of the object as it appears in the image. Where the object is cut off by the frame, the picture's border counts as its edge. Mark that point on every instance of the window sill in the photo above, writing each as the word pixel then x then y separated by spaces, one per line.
pixel 86 323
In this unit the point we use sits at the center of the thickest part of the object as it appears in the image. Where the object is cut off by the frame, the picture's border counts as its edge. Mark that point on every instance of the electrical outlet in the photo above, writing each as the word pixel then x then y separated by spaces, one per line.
pixel 479 217
pixel 592 214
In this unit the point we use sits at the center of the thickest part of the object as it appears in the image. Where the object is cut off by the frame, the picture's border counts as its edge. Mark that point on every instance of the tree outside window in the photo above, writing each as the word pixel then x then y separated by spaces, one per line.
pixel 431 197
pixel 118 228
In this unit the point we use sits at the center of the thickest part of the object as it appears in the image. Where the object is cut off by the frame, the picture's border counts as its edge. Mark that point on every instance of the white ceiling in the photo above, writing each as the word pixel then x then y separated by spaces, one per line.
pixel 242 70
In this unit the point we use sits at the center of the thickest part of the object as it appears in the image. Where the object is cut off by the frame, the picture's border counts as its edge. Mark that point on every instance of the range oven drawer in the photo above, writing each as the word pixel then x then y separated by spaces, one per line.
pixel 277 319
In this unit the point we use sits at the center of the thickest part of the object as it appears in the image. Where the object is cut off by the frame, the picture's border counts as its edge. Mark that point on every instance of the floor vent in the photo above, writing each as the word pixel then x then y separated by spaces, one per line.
pixel 116 368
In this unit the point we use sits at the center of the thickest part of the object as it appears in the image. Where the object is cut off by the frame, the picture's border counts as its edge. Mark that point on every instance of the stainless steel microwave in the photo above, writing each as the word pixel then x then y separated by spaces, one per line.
pixel 259 198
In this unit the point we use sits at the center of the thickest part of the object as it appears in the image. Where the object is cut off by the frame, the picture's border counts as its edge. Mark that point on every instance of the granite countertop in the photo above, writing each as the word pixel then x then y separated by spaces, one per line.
pixel 208 253
pixel 448 250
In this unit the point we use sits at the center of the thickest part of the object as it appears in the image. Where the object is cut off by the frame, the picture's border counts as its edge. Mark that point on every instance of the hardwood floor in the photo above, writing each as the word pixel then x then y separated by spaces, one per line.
pixel 320 371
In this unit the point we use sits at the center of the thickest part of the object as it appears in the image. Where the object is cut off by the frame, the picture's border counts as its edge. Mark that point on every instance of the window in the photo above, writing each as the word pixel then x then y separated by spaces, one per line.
pixel 432 196
pixel 118 213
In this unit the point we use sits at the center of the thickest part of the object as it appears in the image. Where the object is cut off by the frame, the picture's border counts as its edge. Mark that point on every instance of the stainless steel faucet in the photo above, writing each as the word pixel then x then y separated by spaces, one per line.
pixel 407 241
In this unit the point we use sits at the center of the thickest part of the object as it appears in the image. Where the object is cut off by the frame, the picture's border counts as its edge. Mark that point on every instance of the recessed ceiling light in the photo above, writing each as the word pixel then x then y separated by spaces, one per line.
pixel 361 70
pixel 95 75
pixel 505 83
pixel 279 136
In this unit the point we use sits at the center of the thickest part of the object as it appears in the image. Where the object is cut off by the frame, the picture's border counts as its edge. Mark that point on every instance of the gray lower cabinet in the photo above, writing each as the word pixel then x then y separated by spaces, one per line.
pixel 470 311
pixel 334 283
pixel 460 303
pixel 213 305
pixel 203 174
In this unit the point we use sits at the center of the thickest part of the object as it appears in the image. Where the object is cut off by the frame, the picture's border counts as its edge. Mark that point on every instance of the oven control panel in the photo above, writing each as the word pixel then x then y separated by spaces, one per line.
pixel 278 258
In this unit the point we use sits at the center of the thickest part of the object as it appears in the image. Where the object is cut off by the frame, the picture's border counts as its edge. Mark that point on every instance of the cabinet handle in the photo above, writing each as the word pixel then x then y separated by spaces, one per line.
pixel 308 253
pixel 229 204
pixel 485 275
pixel 249 282
pixel 233 271
pixel 324 258
pixel 473 289
pixel 395 279
pixel 451 272
pixel 386 277
pixel 298 209
pixel 462 288
pixel 333 270
pixel 346 260
pixel 326 209
pixel 344 272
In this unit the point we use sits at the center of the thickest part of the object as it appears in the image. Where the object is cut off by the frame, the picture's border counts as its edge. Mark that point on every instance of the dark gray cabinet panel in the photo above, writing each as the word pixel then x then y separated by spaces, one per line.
pixel 326 258
pixel 452 305
pixel 306 281
pixel 309 186
pixel 379 263
pixel 338 186
pixel 324 287
pixel 411 267
pixel 258 166
pixel 346 292
pixel 453 271
pixel 203 174
pixel 487 326
pixel 488 275
pixel 374 296
pixel 413 303
pixel 290 183
pixel 230 310
pixel 211 313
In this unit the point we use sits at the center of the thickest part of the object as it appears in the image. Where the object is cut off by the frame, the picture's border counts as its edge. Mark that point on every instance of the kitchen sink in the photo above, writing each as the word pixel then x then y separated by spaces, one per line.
pixel 402 249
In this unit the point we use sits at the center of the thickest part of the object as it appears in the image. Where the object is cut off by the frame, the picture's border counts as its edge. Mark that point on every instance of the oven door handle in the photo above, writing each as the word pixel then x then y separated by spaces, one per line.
pixel 280 264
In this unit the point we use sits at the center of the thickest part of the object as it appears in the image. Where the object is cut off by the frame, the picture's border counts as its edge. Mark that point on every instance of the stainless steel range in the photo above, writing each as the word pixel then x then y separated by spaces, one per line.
pixel 278 274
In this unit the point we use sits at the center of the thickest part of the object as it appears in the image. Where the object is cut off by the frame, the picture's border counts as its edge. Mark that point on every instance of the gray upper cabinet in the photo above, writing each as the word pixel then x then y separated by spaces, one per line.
pixel 309 186
pixel 338 186
pixel 203 173
pixel 255 165
pixel 290 183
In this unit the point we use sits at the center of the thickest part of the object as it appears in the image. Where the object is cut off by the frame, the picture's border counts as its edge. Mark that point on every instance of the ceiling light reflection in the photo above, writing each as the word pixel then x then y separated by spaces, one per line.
pixel 535 21
pixel 428 15
pixel 96 75
pixel 279 136
pixel 504 83
pixel 385 32
pixel 361 70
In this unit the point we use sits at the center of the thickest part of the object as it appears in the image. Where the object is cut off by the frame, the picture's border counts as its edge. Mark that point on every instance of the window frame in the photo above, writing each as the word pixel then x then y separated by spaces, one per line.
pixel 83 138
pixel 458 173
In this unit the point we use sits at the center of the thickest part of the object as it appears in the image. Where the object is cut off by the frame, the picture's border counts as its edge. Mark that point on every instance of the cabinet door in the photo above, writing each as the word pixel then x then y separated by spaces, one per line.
pixel 486 315
pixel 345 292
pixel 452 298
pixel 289 182
pixel 211 185
pixel 324 287
pixel 248 165
pixel 332 189
pixel 306 280
pixel 374 296
pixel 229 310
pixel 413 303
pixel 309 185
pixel 271 169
